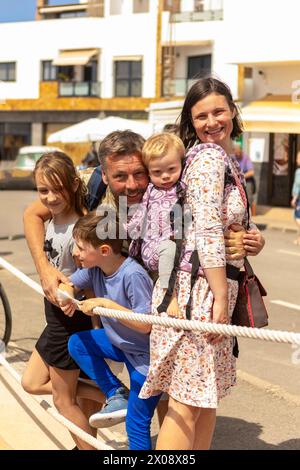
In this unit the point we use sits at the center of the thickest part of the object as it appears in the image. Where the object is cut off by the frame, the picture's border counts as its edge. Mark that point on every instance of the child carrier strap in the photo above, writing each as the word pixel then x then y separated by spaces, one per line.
pixel 178 242
pixel 96 189
pixel 232 272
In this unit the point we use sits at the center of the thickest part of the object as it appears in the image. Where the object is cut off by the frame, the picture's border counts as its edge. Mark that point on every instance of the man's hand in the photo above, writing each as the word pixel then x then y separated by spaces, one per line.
pixel 50 279
pixel 240 243
pixel 253 242
pixel 234 242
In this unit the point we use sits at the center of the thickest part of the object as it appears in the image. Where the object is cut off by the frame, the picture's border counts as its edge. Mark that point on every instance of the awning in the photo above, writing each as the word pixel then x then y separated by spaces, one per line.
pixel 75 56
pixel 272 114
pixel 131 58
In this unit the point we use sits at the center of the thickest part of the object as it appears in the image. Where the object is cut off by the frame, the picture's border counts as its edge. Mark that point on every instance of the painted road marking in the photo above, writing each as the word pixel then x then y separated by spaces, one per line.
pixel 285 304
pixel 287 252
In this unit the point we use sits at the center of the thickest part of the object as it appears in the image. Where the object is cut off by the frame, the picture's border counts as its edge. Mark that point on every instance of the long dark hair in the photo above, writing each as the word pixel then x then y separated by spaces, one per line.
pixel 201 89
pixel 60 171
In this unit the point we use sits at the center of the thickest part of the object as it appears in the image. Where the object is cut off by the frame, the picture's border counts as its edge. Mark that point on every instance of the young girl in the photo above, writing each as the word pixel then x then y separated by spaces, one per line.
pixel 50 368
pixel 151 227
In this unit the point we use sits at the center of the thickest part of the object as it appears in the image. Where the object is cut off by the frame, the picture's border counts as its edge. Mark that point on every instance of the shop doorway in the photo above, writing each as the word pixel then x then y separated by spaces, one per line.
pixel 282 158
pixel 13 135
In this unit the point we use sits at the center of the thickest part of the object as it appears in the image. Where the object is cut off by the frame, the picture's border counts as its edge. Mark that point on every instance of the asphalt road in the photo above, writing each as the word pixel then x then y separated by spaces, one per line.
pixel 263 412
pixel 278 267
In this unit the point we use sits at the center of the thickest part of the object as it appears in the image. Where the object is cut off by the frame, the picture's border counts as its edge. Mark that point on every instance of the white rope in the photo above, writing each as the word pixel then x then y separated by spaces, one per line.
pixel 231 330
pixel 277 336
pixel 194 325
pixel 45 405
pixel 34 285
pixel 66 422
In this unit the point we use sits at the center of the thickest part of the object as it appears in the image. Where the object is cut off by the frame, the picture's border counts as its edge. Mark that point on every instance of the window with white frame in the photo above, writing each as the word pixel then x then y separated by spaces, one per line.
pixel 140 6
pixel 8 71
pixel 128 78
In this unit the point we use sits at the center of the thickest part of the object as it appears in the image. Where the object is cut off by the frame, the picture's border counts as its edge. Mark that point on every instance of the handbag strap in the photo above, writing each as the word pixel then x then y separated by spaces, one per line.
pixel 241 189
pixel 248 268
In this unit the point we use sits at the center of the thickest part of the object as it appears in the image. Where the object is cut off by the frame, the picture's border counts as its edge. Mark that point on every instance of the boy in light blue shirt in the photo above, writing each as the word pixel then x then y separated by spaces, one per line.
pixel 118 283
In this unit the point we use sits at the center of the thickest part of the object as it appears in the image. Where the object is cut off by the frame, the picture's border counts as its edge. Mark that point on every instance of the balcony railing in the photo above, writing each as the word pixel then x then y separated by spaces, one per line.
pixel 79 89
pixel 189 16
pixel 177 86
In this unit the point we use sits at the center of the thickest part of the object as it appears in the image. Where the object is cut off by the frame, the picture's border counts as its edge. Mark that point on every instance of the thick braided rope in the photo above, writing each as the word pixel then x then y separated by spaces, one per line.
pixel 231 330
pixel 194 325
pixel 99 445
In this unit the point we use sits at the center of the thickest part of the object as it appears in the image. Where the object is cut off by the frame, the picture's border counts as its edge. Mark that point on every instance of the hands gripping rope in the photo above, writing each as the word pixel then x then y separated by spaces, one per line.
pixel 229 330
pixel 63 295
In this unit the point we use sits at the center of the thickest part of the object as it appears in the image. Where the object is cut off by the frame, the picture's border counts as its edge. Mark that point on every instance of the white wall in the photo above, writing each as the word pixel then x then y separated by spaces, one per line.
pixel 276 80
pixel 261 30
pixel 136 37
pixel 252 32
pixel 28 43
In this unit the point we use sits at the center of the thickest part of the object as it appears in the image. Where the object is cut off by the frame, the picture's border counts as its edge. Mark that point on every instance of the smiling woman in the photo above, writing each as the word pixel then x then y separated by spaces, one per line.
pixel 197 371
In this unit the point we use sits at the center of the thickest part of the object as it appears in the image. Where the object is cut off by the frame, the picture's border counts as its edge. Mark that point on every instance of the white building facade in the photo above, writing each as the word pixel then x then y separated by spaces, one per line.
pixel 138 58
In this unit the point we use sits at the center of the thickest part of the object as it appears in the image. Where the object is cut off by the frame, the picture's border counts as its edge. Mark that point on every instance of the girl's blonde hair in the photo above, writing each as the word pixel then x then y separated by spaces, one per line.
pixel 158 145
pixel 61 173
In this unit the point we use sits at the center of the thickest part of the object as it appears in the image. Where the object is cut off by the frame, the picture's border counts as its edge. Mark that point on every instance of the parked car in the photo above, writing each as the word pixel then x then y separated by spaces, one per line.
pixel 20 174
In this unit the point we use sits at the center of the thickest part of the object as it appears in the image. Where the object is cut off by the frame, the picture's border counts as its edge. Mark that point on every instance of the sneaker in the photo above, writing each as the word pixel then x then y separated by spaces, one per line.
pixel 113 412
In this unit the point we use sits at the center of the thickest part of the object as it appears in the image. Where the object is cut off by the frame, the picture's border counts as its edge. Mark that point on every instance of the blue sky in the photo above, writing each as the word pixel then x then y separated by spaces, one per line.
pixel 23 10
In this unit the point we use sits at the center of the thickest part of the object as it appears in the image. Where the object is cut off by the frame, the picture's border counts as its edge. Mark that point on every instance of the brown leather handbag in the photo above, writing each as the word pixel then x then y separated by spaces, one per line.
pixel 250 309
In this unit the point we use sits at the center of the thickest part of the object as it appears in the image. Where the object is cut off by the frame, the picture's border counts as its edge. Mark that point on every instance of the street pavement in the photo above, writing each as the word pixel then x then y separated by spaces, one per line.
pixel 262 412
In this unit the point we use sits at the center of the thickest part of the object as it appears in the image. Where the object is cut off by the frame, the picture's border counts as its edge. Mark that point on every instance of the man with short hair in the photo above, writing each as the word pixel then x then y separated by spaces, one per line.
pixel 122 169
pixel 120 154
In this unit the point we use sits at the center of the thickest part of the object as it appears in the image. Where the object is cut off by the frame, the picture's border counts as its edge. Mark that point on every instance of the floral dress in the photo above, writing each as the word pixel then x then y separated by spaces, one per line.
pixel 183 363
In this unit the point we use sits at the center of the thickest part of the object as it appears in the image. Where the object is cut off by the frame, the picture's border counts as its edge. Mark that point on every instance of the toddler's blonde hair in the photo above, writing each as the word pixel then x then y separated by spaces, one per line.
pixel 158 145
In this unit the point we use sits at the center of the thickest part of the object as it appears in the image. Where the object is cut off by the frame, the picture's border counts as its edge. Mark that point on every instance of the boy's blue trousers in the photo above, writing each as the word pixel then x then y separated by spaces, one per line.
pixel 88 349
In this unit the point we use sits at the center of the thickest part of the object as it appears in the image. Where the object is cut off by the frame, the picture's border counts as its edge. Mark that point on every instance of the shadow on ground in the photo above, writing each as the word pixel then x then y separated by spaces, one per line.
pixel 238 434
pixel 17 353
